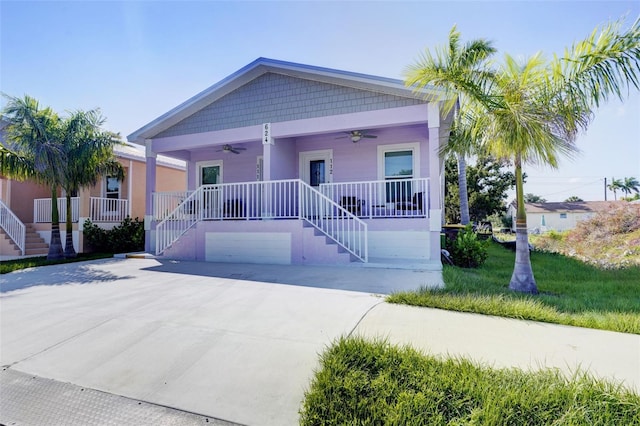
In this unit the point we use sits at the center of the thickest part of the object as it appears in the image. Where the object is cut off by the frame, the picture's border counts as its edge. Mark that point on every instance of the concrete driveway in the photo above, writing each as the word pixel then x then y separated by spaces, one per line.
pixel 232 349
pixel 220 341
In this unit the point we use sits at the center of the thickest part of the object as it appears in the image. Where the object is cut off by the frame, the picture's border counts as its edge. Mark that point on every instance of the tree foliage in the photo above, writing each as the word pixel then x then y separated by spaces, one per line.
pixel 530 111
pixel 487 183
pixel 533 198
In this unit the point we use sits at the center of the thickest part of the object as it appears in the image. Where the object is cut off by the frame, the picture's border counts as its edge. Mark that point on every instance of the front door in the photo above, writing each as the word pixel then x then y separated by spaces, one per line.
pixel 209 174
pixel 316 167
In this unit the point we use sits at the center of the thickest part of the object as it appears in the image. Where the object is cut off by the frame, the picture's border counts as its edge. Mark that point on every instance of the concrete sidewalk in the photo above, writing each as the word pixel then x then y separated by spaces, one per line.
pixel 220 341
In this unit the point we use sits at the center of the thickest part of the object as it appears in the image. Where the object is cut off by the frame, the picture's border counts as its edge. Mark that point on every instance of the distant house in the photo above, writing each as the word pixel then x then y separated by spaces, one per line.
pixel 291 163
pixel 25 207
pixel 563 216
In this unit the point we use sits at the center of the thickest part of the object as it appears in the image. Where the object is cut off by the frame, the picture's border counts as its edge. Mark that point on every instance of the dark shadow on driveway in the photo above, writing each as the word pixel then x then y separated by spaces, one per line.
pixel 52 275
pixel 340 277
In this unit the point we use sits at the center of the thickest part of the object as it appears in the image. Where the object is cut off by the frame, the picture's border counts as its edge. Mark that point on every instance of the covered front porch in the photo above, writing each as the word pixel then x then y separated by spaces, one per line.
pixel 284 160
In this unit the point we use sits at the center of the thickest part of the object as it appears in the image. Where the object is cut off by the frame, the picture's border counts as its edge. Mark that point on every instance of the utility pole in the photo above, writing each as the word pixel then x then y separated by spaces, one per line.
pixel 605 189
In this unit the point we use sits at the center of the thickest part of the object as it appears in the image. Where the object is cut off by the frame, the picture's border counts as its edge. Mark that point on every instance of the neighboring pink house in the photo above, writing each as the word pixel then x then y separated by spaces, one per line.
pixel 25 207
pixel 295 164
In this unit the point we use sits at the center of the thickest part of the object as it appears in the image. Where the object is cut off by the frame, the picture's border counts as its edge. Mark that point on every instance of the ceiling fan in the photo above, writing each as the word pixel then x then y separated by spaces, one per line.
pixel 228 148
pixel 356 135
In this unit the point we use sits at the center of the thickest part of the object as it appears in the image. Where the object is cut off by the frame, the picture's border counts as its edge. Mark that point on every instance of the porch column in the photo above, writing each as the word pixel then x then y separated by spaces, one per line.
pixel 149 223
pixel 435 203
pixel 84 213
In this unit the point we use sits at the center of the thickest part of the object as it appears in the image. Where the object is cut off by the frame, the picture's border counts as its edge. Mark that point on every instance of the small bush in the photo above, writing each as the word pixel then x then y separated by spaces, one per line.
pixel 466 249
pixel 126 237
pixel 609 240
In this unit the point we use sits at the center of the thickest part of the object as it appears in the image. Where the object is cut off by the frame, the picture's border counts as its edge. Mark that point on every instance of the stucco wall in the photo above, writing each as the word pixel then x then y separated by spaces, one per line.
pixel 19 196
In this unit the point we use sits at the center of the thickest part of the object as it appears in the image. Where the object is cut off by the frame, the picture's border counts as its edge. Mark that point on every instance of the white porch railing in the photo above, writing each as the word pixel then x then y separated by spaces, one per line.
pixel 381 198
pixel 15 229
pixel 108 209
pixel 42 209
pixel 101 209
pixel 166 202
pixel 334 221
pixel 283 199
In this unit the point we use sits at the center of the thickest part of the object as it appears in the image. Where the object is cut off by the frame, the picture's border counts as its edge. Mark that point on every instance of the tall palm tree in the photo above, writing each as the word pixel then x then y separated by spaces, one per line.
pixel 530 112
pixel 35 153
pixel 630 185
pixel 615 186
pixel 90 156
pixel 458 70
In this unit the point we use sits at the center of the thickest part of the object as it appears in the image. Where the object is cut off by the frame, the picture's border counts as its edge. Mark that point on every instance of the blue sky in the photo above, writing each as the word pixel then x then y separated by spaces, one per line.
pixel 137 60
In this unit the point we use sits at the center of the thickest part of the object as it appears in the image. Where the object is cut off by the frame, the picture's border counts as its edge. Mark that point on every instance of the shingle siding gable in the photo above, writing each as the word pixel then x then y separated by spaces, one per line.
pixel 273 98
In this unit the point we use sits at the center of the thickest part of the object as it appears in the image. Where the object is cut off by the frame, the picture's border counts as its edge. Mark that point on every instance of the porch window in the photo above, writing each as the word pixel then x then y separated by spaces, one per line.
pixel 398 165
pixel 112 188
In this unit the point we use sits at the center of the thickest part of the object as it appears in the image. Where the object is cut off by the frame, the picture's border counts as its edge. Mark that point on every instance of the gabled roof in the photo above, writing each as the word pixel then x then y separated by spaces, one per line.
pixel 572 207
pixel 262 66
pixel 136 153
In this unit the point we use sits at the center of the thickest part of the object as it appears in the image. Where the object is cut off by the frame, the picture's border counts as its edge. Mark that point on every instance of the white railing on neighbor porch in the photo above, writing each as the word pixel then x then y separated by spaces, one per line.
pixel 283 199
pixel 381 198
pixel 42 209
pixel 101 209
pixel 108 209
pixel 14 228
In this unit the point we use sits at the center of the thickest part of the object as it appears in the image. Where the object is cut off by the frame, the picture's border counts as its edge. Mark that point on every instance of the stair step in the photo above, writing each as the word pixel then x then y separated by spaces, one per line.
pixel 30 251
pixel 37 245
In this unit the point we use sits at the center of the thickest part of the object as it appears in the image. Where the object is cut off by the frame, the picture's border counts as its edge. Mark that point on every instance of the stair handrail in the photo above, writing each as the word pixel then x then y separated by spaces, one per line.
pixel 13 226
pixel 334 221
pixel 179 221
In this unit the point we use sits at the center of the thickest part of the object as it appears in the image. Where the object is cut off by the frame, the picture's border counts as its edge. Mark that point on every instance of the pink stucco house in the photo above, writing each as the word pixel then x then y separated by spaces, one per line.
pixel 297 164
pixel 25 207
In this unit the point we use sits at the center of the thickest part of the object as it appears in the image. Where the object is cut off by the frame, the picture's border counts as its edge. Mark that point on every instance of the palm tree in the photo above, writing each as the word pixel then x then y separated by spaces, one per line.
pixel 89 152
pixel 530 112
pixel 456 69
pixel 35 153
pixel 615 186
pixel 630 185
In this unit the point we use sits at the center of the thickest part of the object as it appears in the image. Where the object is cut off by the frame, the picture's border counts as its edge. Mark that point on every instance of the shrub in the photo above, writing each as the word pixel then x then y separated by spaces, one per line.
pixel 466 249
pixel 610 239
pixel 128 236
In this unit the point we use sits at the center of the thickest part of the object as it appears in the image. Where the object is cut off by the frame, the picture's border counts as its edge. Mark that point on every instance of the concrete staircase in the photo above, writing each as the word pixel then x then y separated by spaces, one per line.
pixel 34 244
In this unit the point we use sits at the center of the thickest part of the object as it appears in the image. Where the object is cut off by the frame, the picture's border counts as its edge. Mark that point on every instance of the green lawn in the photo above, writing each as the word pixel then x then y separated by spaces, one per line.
pixel 30 262
pixel 572 293
pixel 374 383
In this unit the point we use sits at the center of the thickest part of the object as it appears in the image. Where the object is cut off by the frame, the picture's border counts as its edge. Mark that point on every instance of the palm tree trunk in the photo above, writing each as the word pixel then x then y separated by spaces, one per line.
pixel 55 244
pixel 462 190
pixel 522 279
pixel 69 250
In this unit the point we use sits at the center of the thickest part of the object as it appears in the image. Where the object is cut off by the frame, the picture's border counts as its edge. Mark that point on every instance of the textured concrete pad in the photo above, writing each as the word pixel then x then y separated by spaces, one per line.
pixel 503 342
pixel 51 402
pixel 237 350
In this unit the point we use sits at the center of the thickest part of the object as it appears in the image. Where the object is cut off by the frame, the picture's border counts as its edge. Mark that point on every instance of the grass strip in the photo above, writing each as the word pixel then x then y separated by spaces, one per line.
pixel 572 293
pixel 364 382
pixel 31 262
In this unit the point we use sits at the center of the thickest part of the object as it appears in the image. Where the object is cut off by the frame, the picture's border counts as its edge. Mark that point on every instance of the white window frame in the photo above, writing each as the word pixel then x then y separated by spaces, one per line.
pixel 211 163
pixel 104 188
pixel 414 147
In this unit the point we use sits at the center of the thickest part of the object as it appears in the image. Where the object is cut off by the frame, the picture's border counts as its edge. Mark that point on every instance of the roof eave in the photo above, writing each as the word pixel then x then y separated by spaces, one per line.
pixel 262 66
